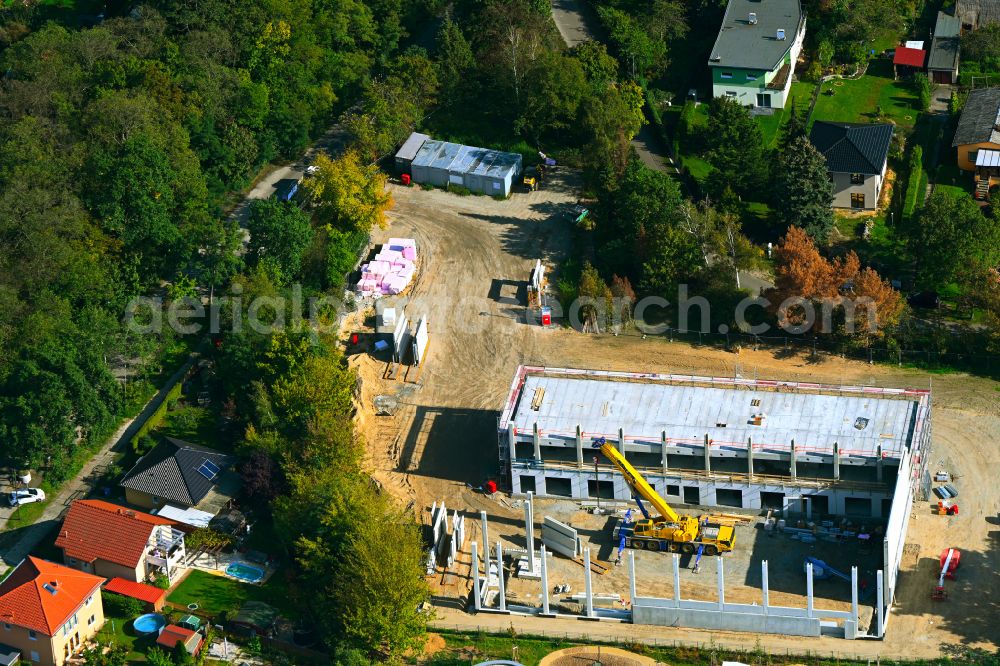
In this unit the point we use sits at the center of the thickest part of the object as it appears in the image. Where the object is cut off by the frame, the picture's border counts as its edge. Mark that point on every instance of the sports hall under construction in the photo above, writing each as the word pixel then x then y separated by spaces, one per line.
pixel 808 452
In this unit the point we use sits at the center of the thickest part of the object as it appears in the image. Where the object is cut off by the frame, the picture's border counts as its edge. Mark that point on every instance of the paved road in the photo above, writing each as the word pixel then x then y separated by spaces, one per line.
pixel 29 536
pixel 332 141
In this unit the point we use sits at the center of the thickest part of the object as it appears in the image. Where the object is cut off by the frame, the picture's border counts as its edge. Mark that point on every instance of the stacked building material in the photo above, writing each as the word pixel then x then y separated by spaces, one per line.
pixel 391 270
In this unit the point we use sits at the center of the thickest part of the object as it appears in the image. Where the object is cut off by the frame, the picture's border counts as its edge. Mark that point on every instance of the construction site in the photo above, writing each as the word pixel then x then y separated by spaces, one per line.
pixel 785 489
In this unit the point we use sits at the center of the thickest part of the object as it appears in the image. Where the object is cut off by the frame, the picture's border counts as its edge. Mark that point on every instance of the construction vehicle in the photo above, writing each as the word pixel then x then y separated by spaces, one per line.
pixel 669 531
pixel 532 178
pixel 950 559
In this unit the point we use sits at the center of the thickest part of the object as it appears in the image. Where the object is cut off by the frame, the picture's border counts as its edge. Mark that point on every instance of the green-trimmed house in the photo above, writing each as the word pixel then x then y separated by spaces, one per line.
pixel 754 56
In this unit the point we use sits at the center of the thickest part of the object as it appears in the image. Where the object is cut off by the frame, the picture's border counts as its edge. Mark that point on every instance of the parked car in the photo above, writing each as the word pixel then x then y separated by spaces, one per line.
pixel 26 496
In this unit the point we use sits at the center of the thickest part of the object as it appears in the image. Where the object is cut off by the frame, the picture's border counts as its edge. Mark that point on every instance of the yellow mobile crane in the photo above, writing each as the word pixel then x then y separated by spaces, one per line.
pixel 670 531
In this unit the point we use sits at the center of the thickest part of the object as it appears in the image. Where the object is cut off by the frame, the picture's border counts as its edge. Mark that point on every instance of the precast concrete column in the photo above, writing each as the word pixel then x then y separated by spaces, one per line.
pixel 836 461
pixel 621 442
pixel 708 455
pixel 750 457
pixel 474 569
pixel 763 587
pixel 791 466
pixel 579 447
pixel 809 589
pixel 537 441
pixel 880 603
pixel 486 540
pixel 878 463
pixel 663 450
pixel 512 441
pixel 631 576
pixel 720 581
pixel 677 579
pixel 502 597
pixel 529 531
pixel 588 589
pixel 545 583
pixel 854 593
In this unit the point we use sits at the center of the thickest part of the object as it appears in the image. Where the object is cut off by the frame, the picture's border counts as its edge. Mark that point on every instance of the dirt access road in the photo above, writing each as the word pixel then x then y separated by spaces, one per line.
pixel 475 256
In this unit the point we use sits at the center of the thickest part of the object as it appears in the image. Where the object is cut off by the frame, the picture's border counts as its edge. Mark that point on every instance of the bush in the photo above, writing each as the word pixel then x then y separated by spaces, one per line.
pixel 924 90
pixel 916 184
pixel 162 582
pixel 157 657
pixel 157 417
pixel 460 190
pixel 121 606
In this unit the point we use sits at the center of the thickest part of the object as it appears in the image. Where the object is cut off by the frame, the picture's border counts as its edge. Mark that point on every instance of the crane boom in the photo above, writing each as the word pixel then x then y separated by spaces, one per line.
pixel 638 484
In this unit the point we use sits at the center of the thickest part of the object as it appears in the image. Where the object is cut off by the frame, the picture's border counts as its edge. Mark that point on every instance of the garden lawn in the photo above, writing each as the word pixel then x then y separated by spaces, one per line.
pixel 218 594
pixel 119 631
pixel 193 424
pixel 858 101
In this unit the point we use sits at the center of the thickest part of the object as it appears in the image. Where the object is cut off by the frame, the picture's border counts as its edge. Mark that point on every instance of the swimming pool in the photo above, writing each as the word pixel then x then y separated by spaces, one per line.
pixel 150 623
pixel 245 572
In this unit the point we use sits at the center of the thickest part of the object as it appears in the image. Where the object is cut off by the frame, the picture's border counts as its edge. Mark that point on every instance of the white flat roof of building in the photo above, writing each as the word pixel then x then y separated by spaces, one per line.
pixel 646 405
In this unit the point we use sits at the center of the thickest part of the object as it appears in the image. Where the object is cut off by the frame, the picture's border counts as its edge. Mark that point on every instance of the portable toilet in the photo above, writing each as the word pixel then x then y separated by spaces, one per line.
pixel 546 316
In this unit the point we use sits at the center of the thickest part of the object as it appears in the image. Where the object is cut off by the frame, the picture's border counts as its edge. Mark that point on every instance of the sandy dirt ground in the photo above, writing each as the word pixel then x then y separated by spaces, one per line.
pixel 475 258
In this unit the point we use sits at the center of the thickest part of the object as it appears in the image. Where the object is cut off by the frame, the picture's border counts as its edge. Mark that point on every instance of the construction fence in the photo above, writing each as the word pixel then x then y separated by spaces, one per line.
pixel 718 650
pixel 980 364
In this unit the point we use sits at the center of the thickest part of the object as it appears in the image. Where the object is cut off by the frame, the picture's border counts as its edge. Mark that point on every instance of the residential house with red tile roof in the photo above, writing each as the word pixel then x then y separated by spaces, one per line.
pixel 48 611
pixel 114 541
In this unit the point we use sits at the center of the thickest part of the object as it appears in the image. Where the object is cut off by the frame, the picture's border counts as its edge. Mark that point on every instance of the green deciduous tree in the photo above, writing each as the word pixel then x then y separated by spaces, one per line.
pixel 951 238
pixel 553 92
pixel 348 195
pixel 279 233
pixel 803 193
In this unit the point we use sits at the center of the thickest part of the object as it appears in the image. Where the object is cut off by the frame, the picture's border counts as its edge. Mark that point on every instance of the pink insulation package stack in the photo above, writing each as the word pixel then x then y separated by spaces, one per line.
pixel 391 270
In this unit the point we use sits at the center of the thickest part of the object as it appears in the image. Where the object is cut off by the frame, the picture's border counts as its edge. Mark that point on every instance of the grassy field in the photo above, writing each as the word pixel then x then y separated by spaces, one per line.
pixel 219 594
pixel 858 101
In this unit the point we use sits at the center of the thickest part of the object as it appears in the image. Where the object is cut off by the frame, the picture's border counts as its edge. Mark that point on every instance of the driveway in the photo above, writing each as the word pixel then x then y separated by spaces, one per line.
pixel 575 21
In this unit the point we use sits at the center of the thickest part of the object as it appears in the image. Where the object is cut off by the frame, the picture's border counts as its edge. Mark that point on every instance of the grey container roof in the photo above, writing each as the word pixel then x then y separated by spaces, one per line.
pixel 437 154
pixel 756 46
pixel 457 158
pixel 980 117
pixel 688 412
pixel 410 147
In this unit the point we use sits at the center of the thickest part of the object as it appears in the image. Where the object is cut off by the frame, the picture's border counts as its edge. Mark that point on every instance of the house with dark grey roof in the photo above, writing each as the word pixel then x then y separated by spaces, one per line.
pixel 977 138
pixel 942 63
pixel 974 14
pixel 754 56
pixel 856 157
pixel 183 474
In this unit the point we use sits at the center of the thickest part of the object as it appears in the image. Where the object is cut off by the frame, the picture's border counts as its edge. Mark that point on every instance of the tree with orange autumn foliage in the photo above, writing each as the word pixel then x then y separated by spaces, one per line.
pixel 814 294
